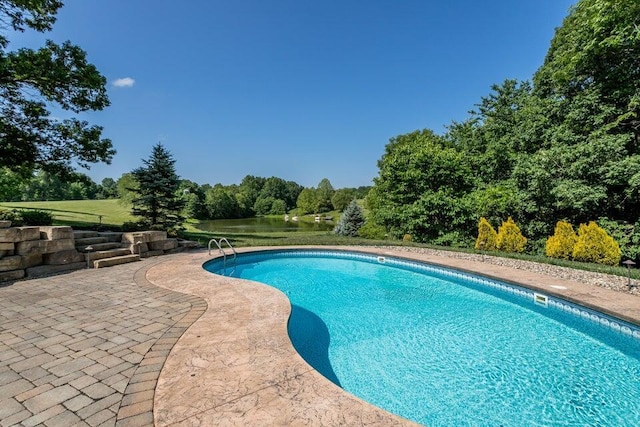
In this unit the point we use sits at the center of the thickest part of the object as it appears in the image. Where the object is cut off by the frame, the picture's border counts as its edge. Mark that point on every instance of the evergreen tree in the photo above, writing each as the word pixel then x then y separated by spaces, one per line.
pixel 157 200
pixel 351 221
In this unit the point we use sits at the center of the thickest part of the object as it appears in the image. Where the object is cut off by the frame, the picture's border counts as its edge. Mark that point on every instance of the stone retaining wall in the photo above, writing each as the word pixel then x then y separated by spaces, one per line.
pixel 38 251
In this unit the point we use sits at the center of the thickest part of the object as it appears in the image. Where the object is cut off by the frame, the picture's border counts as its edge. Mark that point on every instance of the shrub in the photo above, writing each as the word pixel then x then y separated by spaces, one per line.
pixel 129 226
pixel 371 230
pixel 486 236
pixel 407 238
pixel 36 217
pixel 627 235
pixel 561 244
pixel 13 216
pixel 509 238
pixel 350 221
pixel 453 239
pixel 596 245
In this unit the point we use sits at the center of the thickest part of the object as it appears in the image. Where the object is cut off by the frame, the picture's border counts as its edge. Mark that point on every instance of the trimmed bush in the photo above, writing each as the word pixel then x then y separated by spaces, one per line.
pixel 371 230
pixel 487 236
pixel 24 217
pixel 407 238
pixel 510 239
pixel 561 244
pixel 36 217
pixel 13 216
pixel 596 245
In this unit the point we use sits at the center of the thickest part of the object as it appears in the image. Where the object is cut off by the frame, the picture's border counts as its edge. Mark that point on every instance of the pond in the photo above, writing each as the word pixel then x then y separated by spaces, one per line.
pixel 262 225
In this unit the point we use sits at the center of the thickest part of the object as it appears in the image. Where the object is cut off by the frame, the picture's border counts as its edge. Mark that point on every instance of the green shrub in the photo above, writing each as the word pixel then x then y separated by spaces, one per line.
pixel 561 244
pixel 509 238
pixel 36 217
pixel 13 216
pixel 453 239
pixel 487 236
pixel 23 217
pixel 132 226
pixel 627 235
pixel 596 245
pixel 371 230
pixel 407 238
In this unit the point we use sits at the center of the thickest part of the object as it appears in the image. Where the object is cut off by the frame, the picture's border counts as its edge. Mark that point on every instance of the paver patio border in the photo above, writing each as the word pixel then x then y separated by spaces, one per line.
pixel 136 408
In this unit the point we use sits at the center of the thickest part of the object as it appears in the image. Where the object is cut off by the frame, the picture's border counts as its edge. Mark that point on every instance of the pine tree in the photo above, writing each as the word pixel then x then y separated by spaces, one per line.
pixel 157 200
pixel 351 221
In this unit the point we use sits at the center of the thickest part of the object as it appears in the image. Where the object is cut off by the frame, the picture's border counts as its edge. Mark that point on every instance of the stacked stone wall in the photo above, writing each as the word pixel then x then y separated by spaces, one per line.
pixel 38 251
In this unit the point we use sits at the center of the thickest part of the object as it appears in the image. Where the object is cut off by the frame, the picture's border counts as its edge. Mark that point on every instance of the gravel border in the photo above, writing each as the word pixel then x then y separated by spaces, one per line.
pixel 608 281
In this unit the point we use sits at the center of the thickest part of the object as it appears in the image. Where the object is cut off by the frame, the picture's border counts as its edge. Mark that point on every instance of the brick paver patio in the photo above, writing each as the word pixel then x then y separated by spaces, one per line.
pixel 87 347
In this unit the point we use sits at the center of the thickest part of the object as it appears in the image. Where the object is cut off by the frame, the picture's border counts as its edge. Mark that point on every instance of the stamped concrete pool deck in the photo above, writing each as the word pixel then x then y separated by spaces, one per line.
pixel 164 342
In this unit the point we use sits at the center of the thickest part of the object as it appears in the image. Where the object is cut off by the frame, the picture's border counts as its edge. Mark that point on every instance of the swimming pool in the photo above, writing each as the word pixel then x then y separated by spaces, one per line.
pixel 445 348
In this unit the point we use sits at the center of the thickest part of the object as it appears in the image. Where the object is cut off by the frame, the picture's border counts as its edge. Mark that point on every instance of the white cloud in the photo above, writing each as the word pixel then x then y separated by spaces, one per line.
pixel 124 82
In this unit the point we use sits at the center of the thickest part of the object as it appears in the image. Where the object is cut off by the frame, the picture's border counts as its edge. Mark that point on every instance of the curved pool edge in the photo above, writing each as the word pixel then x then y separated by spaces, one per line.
pixel 236 364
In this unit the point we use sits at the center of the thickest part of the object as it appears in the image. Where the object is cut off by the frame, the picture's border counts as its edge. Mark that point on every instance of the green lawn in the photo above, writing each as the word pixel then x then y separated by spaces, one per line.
pixel 80 213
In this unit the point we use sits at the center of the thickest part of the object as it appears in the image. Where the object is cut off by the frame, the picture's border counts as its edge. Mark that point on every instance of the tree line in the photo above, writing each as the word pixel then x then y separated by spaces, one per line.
pixel 564 146
pixel 253 196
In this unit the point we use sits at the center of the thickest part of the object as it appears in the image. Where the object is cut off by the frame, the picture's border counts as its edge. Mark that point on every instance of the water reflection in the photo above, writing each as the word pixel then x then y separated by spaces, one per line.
pixel 257 225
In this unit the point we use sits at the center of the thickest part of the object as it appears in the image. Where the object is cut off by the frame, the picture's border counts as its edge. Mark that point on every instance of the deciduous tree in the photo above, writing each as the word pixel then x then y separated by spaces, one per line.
pixel 31 81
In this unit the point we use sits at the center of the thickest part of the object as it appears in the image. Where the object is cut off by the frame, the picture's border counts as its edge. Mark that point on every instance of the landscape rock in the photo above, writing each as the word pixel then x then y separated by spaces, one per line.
pixel 63 257
pixel 56 233
pixel 7 246
pixel 44 246
pixel 28 233
pixel 5 224
pixel 144 236
pixel 8 235
pixel 11 275
pixel 163 245
pixel 9 263
pixel 31 260
pixel 111 236
pixel 189 244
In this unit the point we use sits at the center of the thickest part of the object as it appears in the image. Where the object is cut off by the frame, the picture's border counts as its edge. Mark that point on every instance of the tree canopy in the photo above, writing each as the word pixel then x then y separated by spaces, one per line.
pixel 31 82
pixel 565 146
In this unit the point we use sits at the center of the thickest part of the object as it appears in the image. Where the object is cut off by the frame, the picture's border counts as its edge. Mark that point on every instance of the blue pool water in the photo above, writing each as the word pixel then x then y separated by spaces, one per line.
pixel 444 348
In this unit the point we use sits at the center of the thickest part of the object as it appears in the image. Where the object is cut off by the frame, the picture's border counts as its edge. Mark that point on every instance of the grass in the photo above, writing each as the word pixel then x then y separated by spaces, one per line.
pixel 80 213
pixel 85 214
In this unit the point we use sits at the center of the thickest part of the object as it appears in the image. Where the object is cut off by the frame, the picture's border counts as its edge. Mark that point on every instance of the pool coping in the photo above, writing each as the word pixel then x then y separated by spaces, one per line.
pixel 236 365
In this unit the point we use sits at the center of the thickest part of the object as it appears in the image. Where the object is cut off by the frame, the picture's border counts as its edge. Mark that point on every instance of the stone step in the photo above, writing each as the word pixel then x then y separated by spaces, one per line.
pixel 188 244
pixel 83 234
pixel 98 247
pixel 109 253
pixel 112 236
pixel 90 240
pixel 108 262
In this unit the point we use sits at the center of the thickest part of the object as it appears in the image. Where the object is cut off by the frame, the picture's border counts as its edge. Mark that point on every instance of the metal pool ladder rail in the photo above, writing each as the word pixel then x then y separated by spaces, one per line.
pixel 219 243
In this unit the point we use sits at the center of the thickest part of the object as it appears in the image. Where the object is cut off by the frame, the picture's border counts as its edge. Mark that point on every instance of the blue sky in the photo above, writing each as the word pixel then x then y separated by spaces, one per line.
pixel 301 90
